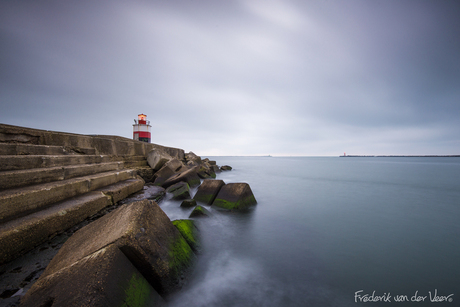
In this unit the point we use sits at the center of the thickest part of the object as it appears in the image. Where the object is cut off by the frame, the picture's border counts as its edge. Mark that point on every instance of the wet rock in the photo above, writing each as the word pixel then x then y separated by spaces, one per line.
pixel 144 233
pixel 149 191
pixel 106 277
pixel 200 211
pixel 190 232
pixel 180 190
pixel 235 196
pixel 188 203
pixel 208 191
pixel 226 168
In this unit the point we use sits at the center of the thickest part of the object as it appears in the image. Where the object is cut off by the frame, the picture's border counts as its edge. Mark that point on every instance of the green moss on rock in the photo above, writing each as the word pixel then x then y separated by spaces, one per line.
pixel 199 211
pixel 181 256
pixel 138 292
pixel 189 231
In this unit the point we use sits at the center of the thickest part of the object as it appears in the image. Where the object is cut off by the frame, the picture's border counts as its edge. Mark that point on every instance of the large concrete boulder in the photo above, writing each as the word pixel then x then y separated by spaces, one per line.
pixel 180 190
pixel 190 232
pixel 235 196
pixel 157 158
pixel 162 175
pixel 174 164
pixel 208 191
pixel 190 176
pixel 103 278
pixel 145 235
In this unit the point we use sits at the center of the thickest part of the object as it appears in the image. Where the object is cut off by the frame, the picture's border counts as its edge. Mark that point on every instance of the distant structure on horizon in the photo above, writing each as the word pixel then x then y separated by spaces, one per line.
pixel 141 129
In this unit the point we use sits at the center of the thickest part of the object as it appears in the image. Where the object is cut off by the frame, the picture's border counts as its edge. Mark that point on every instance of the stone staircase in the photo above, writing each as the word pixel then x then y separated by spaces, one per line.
pixel 46 189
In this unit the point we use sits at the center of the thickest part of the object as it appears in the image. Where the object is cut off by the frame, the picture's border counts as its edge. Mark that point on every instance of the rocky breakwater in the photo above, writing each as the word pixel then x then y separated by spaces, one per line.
pixel 135 255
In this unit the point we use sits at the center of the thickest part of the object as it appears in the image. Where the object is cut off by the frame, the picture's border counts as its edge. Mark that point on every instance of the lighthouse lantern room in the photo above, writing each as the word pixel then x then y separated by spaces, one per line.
pixel 141 129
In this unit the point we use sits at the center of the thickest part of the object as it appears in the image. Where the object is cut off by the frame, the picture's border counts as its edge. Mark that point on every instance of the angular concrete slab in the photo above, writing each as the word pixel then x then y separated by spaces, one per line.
pixel 144 233
pixel 190 176
pixel 200 211
pixel 235 196
pixel 208 190
pixel 179 190
pixel 103 278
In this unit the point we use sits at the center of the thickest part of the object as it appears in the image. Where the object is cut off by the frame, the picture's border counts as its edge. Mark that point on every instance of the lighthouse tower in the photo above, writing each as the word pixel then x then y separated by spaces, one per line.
pixel 141 129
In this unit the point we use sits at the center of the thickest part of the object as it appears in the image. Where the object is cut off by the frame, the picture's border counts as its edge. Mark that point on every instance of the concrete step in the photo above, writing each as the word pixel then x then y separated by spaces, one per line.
pixel 135 161
pixel 31 149
pixel 15 162
pixel 23 234
pixel 19 178
pixel 136 164
pixel 15 203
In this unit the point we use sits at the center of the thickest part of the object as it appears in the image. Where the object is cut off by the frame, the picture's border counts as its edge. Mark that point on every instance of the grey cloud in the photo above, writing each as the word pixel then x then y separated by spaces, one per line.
pixel 239 77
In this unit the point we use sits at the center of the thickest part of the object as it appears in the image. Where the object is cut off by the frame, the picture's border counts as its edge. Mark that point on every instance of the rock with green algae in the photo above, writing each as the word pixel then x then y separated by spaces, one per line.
pixel 187 175
pixel 200 211
pixel 180 190
pixel 226 168
pixel 205 171
pixel 189 231
pixel 144 233
pixel 188 203
pixel 208 191
pixel 104 278
pixel 235 196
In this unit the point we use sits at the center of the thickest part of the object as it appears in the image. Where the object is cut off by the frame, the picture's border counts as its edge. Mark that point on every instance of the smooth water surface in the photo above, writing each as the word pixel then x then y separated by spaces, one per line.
pixel 327 227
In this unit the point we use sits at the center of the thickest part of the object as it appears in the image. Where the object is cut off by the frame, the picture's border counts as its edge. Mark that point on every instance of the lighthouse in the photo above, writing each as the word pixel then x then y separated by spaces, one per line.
pixel 141 129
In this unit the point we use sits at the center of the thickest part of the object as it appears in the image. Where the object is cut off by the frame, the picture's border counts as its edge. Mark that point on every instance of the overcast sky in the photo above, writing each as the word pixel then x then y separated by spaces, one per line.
pixel 243 77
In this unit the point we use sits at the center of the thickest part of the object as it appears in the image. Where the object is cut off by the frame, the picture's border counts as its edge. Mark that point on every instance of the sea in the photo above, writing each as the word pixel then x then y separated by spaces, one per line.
pixel 331 231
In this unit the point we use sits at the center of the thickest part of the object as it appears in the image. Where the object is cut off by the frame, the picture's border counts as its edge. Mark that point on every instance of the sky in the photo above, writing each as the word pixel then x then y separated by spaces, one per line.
pixel 250 77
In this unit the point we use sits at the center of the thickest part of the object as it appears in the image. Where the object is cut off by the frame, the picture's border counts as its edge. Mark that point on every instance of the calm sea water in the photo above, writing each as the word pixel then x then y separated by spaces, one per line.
pixel 326 228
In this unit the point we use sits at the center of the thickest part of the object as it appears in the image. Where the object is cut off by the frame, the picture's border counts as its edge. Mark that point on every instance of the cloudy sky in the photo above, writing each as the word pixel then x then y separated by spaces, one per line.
pixel 249 77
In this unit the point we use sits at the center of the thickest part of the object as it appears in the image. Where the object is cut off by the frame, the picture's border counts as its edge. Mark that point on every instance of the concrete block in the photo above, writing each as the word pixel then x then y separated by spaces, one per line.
pixel 200 211
pixel 190 176
pixel 162 175
pixel 208 191
pixel 103 278
pixel 180 190
pixel 235 196
pixel 144 233
pixel 22 235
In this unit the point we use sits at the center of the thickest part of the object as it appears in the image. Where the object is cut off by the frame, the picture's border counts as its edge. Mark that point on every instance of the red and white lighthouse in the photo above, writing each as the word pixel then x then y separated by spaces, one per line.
pixel 141 129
